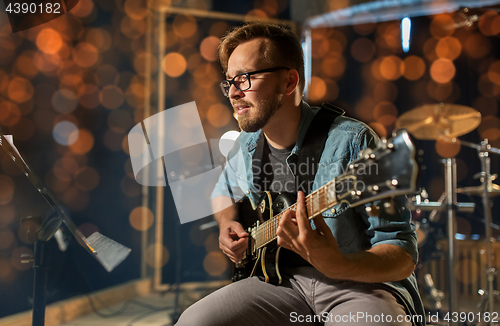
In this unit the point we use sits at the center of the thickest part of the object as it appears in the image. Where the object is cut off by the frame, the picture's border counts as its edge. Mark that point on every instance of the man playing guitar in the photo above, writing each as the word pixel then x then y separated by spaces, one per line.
pixel 348 267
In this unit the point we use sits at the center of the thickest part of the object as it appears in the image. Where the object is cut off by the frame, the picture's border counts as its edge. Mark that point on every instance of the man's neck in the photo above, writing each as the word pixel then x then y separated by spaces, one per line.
pixel 282 129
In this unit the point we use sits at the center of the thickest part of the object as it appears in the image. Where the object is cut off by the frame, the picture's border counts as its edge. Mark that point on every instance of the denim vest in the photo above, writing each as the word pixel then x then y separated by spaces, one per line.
pixel 353 228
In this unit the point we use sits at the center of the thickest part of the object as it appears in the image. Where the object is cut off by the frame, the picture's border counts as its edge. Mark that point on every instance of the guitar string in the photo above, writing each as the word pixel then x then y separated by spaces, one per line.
pixel 267 230
pixel 271 225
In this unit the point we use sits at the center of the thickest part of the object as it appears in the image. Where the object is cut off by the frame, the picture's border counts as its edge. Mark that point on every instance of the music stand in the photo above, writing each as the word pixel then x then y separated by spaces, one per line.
pixel 107 252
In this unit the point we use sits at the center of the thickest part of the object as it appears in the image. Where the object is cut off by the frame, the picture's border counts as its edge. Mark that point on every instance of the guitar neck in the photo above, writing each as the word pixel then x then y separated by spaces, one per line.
pixel 316 203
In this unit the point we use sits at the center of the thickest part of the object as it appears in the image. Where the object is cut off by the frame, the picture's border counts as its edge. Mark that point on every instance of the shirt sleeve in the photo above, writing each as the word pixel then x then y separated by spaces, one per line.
pixel 393 224
pixel 230 182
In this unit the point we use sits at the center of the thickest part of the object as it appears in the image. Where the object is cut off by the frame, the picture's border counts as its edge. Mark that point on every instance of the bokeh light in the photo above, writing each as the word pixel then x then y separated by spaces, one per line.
pixel 487 87
pixel 83 8
pixel 215 263
pixel 174 64
pixel 317 89
pixel 414 67
pixel 64 101
pixel 488 123
pixel 150 258
pixel 88 96
pixel 99 38
pixel 111 97
pixel 477 46
pixel 184 26
pixel 85 54
pixel 49 41
pixel 379 129
pixel 9 114
pixel 142 59
pixel 448 48
pixel 133 28
pixel 385 113
pixel 141 218
pixel 486 21
pixel 390 67
pixel 208 48
pixel 86 179
pixel 20 90
pixel 7 188
pixel 447 148
pixel 442 26
pixel 65 133
pixel 84 142
pixel 25 64
pixel 442 70
pixel 218 115
pixel 136 9
pixel 333 65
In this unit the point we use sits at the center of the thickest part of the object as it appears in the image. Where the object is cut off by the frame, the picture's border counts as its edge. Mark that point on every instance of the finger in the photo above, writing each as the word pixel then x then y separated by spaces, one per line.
pixel 321 225
pixel 238 245
pixel 288 225
pixel 284 241
pixel 238 229
pixel 302 220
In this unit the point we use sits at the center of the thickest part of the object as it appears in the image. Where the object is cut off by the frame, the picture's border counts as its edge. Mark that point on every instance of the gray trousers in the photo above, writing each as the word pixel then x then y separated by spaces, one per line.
pixel 305 297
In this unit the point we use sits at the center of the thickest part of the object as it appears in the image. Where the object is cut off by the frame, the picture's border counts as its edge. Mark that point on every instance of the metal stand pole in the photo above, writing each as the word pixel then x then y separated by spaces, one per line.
pixel 40 285
pixel 490 270
pixel 450 188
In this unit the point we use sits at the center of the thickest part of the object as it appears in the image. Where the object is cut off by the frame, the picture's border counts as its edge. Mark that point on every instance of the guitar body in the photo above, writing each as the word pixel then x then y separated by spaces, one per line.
pixel 262 262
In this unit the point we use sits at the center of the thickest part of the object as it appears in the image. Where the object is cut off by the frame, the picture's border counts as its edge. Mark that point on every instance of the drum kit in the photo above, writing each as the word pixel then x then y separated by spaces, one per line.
pixel 446 122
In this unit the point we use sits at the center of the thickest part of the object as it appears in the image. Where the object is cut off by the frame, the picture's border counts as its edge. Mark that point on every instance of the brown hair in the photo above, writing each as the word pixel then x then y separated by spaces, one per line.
pixel 283 48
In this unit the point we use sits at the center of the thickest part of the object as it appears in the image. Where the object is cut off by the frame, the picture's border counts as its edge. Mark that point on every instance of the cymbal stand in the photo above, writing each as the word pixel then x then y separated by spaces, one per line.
pixel 451 200
pixel 491 272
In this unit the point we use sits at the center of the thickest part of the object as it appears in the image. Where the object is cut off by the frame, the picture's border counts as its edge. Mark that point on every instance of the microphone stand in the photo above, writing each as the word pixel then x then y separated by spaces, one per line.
pixel 490 270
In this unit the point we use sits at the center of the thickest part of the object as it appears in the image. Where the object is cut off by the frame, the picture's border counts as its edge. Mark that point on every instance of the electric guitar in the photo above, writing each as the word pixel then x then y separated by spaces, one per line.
pixel 387 171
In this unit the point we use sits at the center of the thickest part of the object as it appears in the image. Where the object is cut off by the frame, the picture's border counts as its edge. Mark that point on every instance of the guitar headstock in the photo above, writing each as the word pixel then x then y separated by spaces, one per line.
pixel 388 170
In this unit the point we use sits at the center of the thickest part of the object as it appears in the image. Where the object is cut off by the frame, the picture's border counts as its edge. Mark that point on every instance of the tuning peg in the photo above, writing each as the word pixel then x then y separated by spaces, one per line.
pixel 365 153
pixel 372 209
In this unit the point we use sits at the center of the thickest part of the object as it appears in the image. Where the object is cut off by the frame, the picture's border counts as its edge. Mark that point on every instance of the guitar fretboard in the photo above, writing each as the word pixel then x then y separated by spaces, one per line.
pixel 316 203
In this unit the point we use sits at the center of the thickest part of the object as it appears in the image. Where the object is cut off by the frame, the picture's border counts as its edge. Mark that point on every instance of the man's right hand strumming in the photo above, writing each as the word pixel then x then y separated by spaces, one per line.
pixel 233 240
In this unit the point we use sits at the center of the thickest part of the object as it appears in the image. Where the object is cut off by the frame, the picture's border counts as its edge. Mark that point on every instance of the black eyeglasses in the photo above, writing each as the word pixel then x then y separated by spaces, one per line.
pixel 242 81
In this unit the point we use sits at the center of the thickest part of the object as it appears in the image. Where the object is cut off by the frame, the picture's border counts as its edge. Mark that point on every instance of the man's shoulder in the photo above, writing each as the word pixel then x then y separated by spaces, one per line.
pixel 349 127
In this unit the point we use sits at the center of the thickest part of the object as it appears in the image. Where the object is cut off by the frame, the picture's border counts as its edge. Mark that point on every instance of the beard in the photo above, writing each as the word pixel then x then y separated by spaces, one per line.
pixel 256 118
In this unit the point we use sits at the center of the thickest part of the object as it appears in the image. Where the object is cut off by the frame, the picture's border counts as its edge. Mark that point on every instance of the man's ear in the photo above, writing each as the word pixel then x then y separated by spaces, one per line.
pixel 292 81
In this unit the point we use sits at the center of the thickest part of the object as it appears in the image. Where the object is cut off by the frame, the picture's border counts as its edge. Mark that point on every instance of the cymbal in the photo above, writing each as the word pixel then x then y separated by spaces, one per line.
pixel 431 121
pixel 493 190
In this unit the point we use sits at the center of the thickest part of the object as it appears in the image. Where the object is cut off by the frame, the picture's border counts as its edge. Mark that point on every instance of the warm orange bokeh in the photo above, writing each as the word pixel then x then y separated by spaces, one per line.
pixel 414 67
pixel 174 64
pixel 84 143
pixel 141 218
pixel 49 41
pixel 442 70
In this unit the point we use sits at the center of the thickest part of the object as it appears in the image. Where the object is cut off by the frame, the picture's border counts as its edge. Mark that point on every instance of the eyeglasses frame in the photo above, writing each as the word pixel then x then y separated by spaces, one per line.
pixel 248 74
